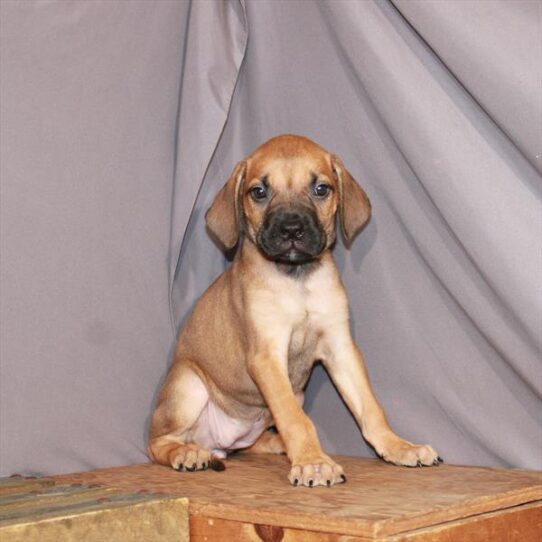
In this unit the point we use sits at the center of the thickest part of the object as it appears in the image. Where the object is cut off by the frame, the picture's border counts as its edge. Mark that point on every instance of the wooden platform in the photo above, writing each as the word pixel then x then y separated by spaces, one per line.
pixel 252 500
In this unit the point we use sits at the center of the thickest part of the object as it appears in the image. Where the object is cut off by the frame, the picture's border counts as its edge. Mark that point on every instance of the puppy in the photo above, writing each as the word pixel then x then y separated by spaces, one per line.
pixel 244 357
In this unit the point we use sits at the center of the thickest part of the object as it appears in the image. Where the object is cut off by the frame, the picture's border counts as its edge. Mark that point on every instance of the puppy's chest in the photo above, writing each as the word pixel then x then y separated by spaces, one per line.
pixel 298 316
pixel 314 311
pixel 304 336
pixel 302 349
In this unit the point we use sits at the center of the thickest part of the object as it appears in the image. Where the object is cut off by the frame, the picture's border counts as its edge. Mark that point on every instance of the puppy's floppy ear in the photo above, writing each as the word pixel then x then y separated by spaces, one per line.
pixel 223 217
pixel 354 205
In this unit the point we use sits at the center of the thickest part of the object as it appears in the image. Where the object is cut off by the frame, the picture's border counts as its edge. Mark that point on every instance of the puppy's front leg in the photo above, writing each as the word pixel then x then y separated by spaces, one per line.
pixel 310 465
pixel 345 365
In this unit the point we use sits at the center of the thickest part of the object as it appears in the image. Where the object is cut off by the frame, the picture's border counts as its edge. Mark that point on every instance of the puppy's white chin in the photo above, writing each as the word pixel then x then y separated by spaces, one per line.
pixel 294 256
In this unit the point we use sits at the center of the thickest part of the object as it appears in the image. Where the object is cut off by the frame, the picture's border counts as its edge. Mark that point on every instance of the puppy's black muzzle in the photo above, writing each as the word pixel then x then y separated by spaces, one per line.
pixel 291 235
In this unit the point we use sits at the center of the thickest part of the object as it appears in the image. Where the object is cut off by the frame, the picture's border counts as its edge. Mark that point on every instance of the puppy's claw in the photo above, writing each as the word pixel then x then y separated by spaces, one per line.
pixel 440 460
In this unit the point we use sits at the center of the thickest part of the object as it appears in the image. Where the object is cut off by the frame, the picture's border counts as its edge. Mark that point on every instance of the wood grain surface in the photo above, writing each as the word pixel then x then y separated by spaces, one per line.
pixel 378 500
pixel 71 513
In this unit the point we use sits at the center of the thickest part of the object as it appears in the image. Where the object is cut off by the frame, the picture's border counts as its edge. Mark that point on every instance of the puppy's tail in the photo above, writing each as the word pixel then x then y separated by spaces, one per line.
pixel 216 464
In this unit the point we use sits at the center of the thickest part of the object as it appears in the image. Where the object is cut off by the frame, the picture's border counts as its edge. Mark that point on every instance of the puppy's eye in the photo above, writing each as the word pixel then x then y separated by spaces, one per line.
pixel 258 193
pixel 321 190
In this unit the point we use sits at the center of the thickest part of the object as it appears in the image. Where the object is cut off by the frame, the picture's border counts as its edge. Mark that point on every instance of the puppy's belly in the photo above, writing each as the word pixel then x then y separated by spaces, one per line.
pixel 216 430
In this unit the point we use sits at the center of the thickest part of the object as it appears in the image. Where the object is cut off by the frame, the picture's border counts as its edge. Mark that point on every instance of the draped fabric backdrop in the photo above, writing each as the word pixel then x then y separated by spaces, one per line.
pixel 121 120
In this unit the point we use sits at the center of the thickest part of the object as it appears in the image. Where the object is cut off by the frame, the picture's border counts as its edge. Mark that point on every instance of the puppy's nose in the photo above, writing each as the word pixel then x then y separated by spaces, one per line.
pixel 291 229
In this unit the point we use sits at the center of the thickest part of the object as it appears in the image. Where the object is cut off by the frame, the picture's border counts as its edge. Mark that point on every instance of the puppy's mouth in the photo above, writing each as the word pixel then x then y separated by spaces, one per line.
pixel 291 237
pixel 292 255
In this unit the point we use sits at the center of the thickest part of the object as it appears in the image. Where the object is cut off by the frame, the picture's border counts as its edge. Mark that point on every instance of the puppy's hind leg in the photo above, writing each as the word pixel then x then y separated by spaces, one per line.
pixel 180 404
pixel 267 443
pixel 270 442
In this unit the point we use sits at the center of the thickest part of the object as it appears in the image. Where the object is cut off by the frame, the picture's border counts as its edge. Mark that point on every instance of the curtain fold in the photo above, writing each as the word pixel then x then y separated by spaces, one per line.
pixel 468 37
pixel 120 121
pixel 215 37
pixel 445 283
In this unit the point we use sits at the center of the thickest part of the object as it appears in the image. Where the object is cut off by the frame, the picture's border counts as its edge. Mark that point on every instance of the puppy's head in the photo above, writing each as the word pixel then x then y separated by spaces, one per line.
pixel 284 198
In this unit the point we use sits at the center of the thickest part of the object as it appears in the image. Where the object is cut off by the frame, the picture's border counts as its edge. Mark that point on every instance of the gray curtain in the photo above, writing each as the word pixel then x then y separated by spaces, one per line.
pixel 121 120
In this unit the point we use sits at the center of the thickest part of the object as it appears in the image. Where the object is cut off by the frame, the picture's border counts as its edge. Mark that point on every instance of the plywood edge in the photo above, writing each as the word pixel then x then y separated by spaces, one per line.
pixel 58 496
pixel 465 509
pixel 75 509
pixel 522 522
pixel 16 484
pixel 288 520
pixel 204 529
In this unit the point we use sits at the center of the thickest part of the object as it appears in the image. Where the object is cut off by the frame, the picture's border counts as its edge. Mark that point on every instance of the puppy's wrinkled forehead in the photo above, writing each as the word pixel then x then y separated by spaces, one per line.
pixel 288 161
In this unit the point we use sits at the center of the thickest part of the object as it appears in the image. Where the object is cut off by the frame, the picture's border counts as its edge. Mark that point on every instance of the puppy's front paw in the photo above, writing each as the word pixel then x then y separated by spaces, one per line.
pixel 320 471
pixel 401 452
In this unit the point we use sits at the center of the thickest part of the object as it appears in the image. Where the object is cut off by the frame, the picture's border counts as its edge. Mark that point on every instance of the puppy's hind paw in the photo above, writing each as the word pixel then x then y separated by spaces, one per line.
pixel 189 458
